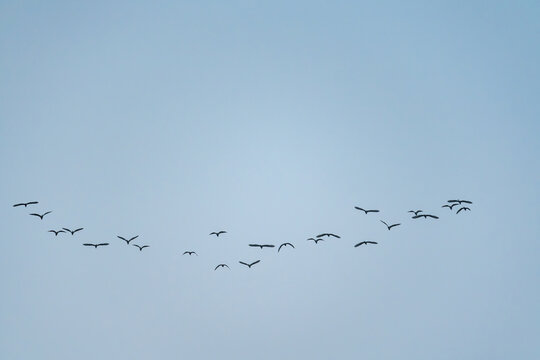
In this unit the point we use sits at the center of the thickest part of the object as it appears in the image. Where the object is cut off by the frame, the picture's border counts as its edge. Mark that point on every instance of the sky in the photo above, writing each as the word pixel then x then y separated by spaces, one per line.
pixel 270 120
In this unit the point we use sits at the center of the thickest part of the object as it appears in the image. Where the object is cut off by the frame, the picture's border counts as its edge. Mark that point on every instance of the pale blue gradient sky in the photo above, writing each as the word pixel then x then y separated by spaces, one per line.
pixel 270 121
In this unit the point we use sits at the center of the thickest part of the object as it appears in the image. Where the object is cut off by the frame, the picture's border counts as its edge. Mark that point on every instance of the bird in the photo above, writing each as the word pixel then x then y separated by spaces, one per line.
pixel 328 234
pixel 96 245
pixel 190 253
pixel 415 212
pixel 450 206
pixel 141 247
pixel 285 244
pixel 26 204
pixel 222 265
pixel 389 226
pixel 425 216
pixel 127 241
pixel 74 231
pixel 250 265
pixel 460 201
pixel 41 216
pixel 262 246
pixel 365 243
pixel 316 240
pixel 56 232
pixel 366 211
pixel 464 209
pixel 217 233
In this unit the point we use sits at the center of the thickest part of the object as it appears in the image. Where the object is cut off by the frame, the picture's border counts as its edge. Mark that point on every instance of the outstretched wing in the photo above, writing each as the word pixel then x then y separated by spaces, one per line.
pixel 133 238
pixel 360 243
pixel 372 211
pixel 466 201
pixel 391 226
pixel 88 244
pixel 460 210
pixel 384 223
pixel 48 212
pixel 371 242
pixel 359 208
pixel 254 245
pixel 334 235
pixel 255 262
pixel 34 214
pixel 453 201
pixel 79 229
pixel 144 246
pixel 270 246
pixel 432 216
pixel 417 216
pixel 243 263
pixel 103 244
pixel 20 204
pixel 122 238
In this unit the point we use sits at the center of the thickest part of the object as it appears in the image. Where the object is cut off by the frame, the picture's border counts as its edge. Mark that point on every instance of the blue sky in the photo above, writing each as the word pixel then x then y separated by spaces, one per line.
pixel 271 121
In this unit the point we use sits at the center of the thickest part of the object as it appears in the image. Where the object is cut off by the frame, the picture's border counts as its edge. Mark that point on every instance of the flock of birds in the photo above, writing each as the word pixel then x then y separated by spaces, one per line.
pixel 417 214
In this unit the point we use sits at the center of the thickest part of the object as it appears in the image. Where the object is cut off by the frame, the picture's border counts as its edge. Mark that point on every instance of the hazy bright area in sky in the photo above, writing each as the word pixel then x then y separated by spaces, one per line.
pixel 270 120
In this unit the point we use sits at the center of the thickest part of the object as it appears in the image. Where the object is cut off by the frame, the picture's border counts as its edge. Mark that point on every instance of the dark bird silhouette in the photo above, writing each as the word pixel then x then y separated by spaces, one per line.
pixel 464 209
pixel 425 216
pixel 74 231
pixel 96 245
pixel 126 240
pixel 328 234
pixel 190 253
pixel 366 211
pixel 460 201
pixel 217 233
pixel 141 247
pixel 262 246
pixel 285 244
pixel 41 216
pixel 26 204
pixel 450 206
pixel 389 226
pixel 56 232
pixel 250 265
pixel 222 265
pixel 316 240
pixel 365 243
pixel 415 212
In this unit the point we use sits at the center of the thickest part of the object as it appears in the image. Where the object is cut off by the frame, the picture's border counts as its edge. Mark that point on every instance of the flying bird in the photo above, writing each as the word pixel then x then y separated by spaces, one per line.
pixel 190 253
pixel 217 233
pixel 366 211
pixel 460 201
pixel 56 232
pixel 222 265
pixel 96 245
pixel 464 209
pixel 450 206
pixel 415 212
pixel 262 246
pixel 365 243
pixel 389 226
pixel 250 265
pixel 316 240
pixel 26 204
pixel 329 234
pixel 285 244
pixel 74 231
pixel 425 216
pixel 127 241
pixel 141 247
pixel 41 216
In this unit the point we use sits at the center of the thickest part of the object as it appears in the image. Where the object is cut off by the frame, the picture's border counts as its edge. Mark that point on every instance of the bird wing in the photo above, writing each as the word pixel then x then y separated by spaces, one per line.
pixel 433 216
pixel 255 245
pixel 255 262
pixel 222 232
pixel 270 246
pixel 371 242
pixel 185 252
pixel 372 210
pixel 291 245
pixel 133 238
pixel 216 266
pixel 321 235
pixel 243 263
pixel 103 244
pixel 66 229
pixel 88 244
pixel 52 231
pixel 48 212
pixel 334 235
pixel 213 233
pixel 137 246
pixel 359 208
pixel 391 226
pixel 18 204
pixel 280 246
pixel 384 223
pixel 453 201
pixel 121 238
pixel 79 229
pixel 34 214
pixel 145 246
pixel 417 216
pixel 466 201
pixel 448 206
pixel 360 243
pixel 32 203
pixel 460 210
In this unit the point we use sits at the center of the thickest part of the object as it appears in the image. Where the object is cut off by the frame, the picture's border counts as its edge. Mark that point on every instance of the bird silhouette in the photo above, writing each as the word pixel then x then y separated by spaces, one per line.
pixel 222 265
pixel 460 201
pixel 389 226
pixel 41 216
pixel 366 211
pixel 328 234
pixel 26 204
pixel 56 232
pixel 262 246
pixel 316 240
pixel 425 216
pixel 365 243
pixel 190 253
pixel 285 244
pixel 415 212
pixel 141 247
pixel 96 245
pixel 217 233
pixel 450 206
pixel 127 241
pixel 74 231
pixel 464 209
pixel 250 265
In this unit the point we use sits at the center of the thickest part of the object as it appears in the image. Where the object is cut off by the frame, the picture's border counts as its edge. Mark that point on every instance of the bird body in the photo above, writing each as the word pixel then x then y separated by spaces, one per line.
pixel 127 241
pixel 250 265
pixel 425 216
pixel 415 212
pixel 222 265
pixel 190 253
pixel 217 233
pixel 328 234
pixel 141 247
pixel 316 240
pixel 450 206
pixel 26 204
pixel 262 246
pixel 389 226
pixel 460 201
pixel 464 209
pixel 56 232
pixel 41 216
pixel 285 244
pixel 96 245
pixel 365 243
pixel 366 211
pixel 74 231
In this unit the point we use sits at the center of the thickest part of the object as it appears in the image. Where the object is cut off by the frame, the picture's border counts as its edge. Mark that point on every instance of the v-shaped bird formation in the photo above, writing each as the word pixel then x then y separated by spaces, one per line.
pixel 418 214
